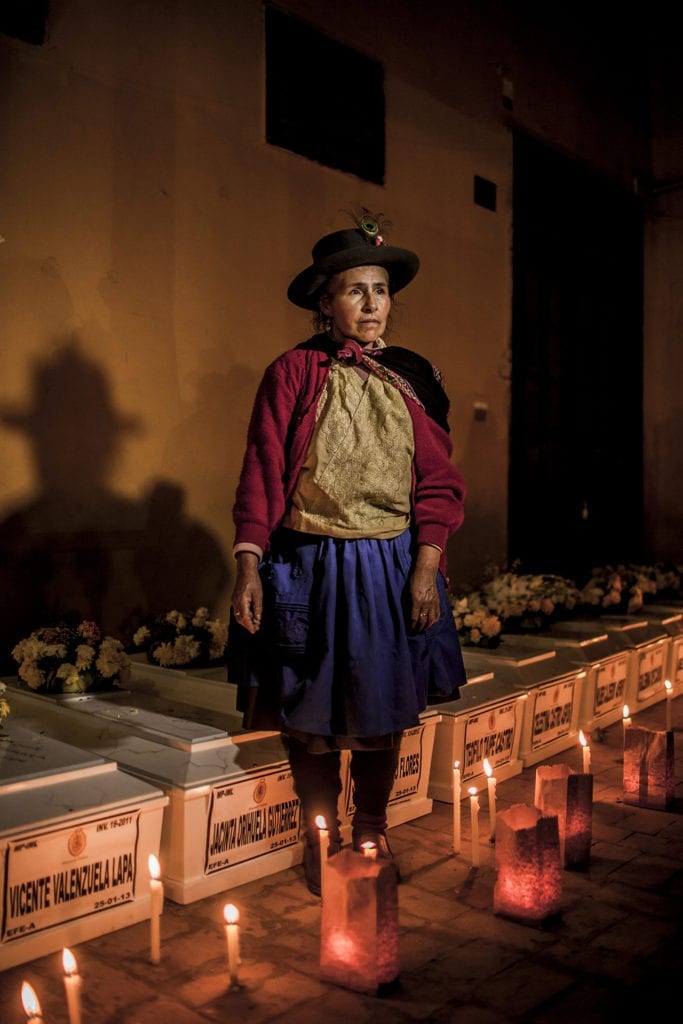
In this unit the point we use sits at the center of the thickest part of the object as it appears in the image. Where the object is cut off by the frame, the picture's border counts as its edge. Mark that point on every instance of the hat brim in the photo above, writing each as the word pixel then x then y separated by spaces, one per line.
pixel 401 264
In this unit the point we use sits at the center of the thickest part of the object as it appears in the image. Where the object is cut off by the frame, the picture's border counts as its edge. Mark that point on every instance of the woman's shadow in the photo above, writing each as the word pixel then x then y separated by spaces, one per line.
pixel 77 549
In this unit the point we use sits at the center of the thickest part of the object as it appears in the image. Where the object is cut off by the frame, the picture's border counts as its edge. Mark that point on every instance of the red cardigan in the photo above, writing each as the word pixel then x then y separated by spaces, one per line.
pixel 280 430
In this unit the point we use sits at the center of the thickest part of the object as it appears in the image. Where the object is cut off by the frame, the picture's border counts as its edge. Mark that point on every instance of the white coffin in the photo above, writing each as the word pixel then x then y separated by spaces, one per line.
pixel 409 797
pixel 232 813
pixel 605 658
pixel 553 688
pixel 195 777
pixel 670 617
pixel 75 838
pixel 650 644
pixel 486 722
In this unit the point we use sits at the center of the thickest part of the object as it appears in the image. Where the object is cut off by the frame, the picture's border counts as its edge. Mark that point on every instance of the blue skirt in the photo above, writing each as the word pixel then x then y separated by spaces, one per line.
pixel 335 655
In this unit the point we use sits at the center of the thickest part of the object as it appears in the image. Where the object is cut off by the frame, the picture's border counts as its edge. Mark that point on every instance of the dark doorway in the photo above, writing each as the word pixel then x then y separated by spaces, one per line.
pixel 576 457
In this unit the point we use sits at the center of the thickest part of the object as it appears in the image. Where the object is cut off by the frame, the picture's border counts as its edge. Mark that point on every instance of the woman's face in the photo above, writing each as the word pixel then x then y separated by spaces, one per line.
pixel 357 301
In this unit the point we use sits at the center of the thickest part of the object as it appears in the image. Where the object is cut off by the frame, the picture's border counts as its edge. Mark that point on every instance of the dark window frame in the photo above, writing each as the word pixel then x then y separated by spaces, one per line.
pixel 324 100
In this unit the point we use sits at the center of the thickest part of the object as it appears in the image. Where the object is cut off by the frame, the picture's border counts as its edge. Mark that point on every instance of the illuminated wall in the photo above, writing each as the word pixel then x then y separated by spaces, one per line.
pixel 149 237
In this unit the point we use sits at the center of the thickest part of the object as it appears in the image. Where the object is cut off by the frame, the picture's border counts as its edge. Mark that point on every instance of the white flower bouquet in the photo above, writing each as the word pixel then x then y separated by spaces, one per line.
pixel 183 639
pixel 529 602
pixel 71 659
pixel 619 589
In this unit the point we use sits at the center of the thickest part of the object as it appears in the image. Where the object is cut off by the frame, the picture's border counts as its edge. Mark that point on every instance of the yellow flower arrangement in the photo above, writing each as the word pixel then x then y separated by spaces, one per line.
pixel 4 704
pixel 476 624
pixel 183 639
pixel 71 659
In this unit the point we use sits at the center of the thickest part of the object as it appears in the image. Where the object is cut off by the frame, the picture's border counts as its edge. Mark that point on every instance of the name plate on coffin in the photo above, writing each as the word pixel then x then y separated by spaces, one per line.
pixel 489 734
pixel 650 672
pixel 677 663
pixel 551 709
pixel 408 777
pixel 250 818
pixel 91 868
pixel 610 686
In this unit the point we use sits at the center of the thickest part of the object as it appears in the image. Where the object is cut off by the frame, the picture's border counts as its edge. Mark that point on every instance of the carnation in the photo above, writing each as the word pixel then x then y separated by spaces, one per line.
pixel 477 626
pixel 182 639
pixel 71 659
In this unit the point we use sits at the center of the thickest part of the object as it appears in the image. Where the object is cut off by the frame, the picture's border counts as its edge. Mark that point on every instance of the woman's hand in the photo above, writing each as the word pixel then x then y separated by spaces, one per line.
pixel 247 595
pixel 425 609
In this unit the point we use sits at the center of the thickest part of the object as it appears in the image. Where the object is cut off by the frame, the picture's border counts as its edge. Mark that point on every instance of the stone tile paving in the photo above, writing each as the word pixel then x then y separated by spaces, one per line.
pixel 612 954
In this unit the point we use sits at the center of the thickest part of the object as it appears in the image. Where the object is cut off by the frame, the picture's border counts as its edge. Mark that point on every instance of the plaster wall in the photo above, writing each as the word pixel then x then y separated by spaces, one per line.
pixel 149 237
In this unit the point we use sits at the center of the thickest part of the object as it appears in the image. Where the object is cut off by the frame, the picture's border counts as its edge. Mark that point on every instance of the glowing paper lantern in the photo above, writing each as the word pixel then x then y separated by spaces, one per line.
pixel 568 794
pixel 648 767
pixel 359 923
pixel 528 884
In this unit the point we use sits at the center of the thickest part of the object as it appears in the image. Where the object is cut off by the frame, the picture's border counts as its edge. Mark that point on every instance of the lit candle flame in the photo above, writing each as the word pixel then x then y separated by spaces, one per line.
pixel 30 1001
pixel 487 768
pixel 582 739
pixel 231 913
pixel 473 790
pixel 626 711
pixel 154 869
pixel 668 686
pixel 456 764
pixel 69 962
pixel 320 821
pixel 369 850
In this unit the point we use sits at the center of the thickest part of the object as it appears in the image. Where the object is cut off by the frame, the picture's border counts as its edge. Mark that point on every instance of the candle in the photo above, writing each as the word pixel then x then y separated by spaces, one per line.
pixel 156 895
pixel 627 717
pixel 586 753
pixel 72 986
pixel 232 935
pixel 669 697
pixel 456 807
pixel 369 850
pixel 31 1005
pixel 474 819
pixel 324 845
pixel 491 782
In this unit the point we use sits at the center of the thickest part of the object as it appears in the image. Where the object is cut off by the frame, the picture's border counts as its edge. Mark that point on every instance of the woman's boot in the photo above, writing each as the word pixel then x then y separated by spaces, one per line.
pixel 317 783
pixel 373 773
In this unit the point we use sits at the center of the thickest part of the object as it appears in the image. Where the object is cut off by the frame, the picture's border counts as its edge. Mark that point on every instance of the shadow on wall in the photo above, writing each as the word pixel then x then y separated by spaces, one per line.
pixel 78 550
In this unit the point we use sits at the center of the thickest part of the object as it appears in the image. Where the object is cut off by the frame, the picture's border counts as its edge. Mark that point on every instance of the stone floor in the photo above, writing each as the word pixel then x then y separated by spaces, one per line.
pixel 613 953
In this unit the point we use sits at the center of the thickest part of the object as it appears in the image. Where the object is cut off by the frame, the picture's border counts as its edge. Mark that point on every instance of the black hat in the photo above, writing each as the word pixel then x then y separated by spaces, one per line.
pixel 353 247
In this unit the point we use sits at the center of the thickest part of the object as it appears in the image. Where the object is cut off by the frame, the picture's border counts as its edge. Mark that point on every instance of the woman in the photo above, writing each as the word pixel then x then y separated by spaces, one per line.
pixel 341 630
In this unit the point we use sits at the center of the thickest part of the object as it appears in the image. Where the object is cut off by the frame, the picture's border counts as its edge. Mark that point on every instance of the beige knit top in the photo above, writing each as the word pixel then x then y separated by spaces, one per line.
pixel 357 476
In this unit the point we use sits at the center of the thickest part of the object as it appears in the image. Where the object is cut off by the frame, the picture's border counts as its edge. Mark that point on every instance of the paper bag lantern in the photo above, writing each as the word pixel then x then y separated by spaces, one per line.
pixel 528 884
pixel 648 767
pixel 568 794
pixel 359 926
